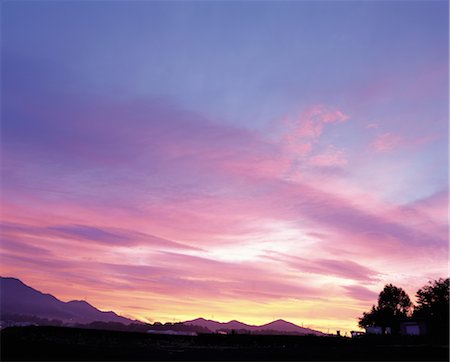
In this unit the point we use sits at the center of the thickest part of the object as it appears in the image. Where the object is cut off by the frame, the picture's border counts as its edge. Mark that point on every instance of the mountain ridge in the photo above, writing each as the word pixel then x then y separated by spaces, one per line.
pixel 18 298
pixel 279 325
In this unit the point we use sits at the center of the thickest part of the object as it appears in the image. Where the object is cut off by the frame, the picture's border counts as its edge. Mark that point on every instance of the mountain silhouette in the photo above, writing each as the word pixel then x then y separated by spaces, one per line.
pixel 280 326
pixel 16 298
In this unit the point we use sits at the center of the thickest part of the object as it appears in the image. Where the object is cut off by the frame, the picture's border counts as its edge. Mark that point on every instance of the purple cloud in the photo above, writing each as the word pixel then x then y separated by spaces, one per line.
pixel 340 268
pixel 361 293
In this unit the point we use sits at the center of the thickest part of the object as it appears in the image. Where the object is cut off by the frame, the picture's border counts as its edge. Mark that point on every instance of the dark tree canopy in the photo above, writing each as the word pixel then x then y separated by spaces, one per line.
pixel 369 319
pixel 393 304
pixel 433 298
pixel 433 306
pixel 394 300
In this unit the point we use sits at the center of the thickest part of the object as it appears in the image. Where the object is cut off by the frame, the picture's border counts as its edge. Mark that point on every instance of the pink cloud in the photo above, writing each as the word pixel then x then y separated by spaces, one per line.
pixel 300 149
pixel 430 213
pixel 213 215
pixel 91 233
pixel 372 125
pixel 423 86
pixel 361 293
pixel 385 142
pixel 310 123
pixel 341 268
pixel 331 157
pixel 322 114
pixel 302 136
pixel 436 206
pixel 169 274
pixel 309 128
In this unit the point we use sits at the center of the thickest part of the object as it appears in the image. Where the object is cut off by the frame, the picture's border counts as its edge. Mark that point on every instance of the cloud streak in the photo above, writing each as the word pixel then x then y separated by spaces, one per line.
pixel 103 236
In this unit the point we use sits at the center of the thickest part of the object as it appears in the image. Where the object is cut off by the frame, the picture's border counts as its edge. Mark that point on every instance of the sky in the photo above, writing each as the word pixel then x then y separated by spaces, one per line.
pixel 248 160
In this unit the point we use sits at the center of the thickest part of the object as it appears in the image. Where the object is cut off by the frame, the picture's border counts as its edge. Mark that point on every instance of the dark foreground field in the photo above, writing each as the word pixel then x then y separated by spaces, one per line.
pixel 57 343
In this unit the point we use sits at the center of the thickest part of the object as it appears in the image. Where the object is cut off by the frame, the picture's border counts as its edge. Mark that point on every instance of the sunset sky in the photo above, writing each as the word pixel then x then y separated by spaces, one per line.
pixel 229 160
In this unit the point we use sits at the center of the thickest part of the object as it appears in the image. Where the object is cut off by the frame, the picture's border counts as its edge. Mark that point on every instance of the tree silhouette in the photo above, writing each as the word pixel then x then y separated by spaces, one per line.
pixel 395 300
pixel 393 305
pixel 433 306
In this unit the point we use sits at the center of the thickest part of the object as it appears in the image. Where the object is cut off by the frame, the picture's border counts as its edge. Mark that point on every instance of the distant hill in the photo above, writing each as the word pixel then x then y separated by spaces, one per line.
pixel 276 327
pixel 16 298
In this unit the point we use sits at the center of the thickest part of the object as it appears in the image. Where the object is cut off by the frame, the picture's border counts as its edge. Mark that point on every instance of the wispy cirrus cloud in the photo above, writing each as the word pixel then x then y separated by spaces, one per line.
pixel 361 293
pixel 177 168
pixel 101 235
pixel 386 142
pixel 310 124
pixel 331 157
pixel 340 268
